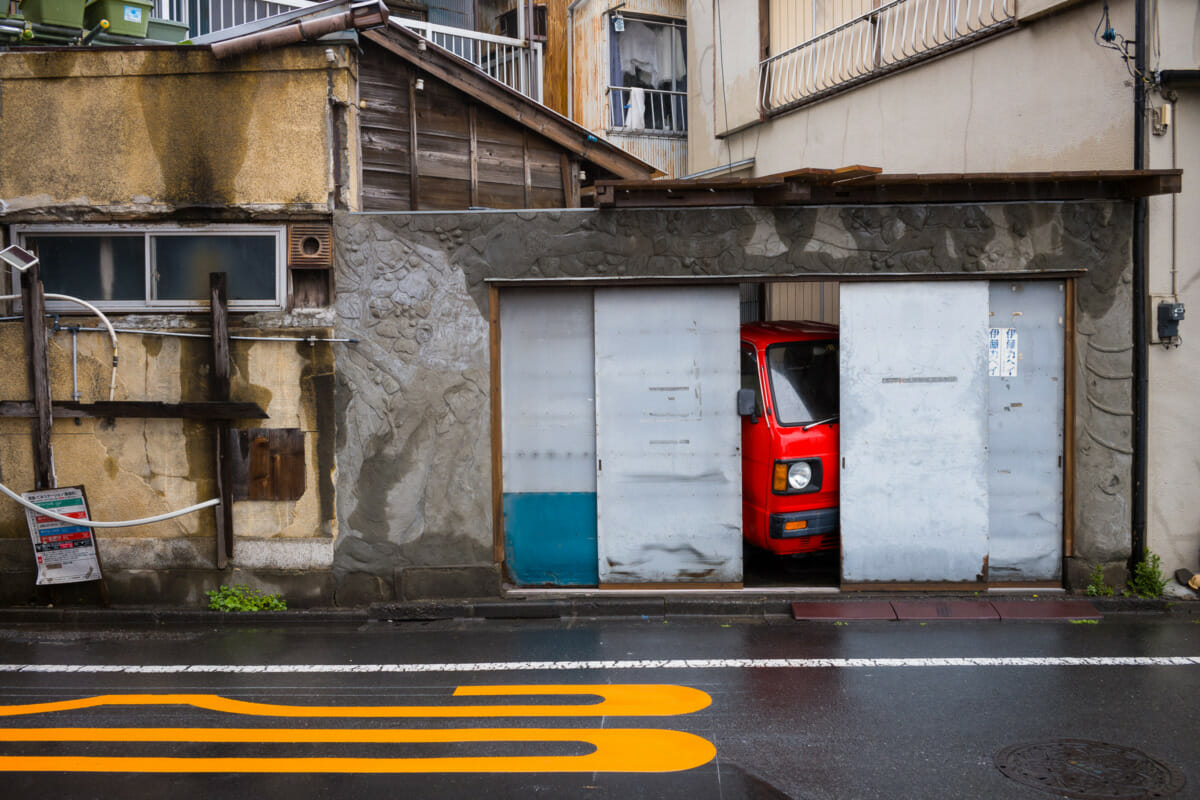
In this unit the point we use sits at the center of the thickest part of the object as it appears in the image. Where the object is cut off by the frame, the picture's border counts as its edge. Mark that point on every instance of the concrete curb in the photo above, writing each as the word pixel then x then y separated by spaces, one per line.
pixel 547 608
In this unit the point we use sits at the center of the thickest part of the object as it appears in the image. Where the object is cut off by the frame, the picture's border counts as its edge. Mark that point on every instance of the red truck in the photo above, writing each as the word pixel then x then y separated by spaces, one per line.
pixel 790 436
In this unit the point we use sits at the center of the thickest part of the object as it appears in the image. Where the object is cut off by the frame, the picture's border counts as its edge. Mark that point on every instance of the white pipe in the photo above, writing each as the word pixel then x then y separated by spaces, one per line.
pixel 112 333
pixel 116 524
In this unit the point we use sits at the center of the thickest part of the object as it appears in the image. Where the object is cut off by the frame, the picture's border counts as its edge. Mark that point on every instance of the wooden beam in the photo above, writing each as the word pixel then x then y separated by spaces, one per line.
pixel 473 124
pixel 33 304
pixel 140 409
pixel 525 166
pixel 1069 384
pixel 414 183
pixel 475 83
pixel 497 441
pixel 218 390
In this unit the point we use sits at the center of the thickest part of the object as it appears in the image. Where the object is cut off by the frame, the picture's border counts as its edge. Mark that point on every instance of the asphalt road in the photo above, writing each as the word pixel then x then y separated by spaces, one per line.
pixel 729 708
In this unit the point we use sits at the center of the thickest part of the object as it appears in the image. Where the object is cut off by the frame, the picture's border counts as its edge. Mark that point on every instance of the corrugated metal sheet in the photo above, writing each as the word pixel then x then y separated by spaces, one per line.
pixel 914 481
pixel 812 300
pixel 668 153
pixel 668 437
pixel 1025 432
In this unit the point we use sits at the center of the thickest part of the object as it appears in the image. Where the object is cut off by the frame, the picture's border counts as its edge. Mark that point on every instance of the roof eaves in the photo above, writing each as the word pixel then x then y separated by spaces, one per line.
pixel 468 78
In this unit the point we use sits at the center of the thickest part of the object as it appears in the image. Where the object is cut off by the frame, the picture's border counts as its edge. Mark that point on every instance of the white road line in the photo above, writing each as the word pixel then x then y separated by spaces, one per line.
pixel 651 664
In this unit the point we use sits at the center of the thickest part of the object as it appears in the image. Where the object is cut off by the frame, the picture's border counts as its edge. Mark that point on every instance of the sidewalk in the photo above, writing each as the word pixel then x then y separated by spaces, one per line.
pixel 585 606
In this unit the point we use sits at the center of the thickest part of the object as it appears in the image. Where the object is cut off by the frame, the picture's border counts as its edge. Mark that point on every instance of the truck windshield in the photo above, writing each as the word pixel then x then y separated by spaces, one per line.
pixel 804 381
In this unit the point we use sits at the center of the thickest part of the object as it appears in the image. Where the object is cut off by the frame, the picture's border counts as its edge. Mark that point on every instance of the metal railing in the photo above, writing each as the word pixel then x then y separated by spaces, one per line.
pixel 894 35
pixel 508 60
pixel 207 16
pixel 654 111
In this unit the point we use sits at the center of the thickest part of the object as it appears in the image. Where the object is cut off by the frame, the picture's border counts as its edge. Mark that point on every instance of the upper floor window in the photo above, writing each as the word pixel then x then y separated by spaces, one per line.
pixel 647 75
pixel 160 268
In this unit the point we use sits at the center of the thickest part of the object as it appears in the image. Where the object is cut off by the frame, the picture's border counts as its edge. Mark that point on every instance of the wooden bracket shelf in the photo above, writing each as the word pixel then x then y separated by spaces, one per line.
pixel 144 409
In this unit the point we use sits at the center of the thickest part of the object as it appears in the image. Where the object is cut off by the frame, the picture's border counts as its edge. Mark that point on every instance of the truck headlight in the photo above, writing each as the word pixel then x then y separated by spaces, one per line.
pixel 798 476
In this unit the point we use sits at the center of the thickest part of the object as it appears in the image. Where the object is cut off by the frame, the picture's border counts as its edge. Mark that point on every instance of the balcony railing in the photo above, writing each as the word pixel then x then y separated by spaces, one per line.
pixel 894 35
pixel 508 60
pixel 207 16
pixel 652 111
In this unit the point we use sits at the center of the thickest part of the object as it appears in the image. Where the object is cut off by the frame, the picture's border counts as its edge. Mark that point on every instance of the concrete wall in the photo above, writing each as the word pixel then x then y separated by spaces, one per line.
pixel 413 451
pixel 146 130
pixel 1173 516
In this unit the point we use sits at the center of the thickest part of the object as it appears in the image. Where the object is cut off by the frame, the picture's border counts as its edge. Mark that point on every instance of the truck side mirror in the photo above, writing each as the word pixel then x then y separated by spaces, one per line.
pixel 746 403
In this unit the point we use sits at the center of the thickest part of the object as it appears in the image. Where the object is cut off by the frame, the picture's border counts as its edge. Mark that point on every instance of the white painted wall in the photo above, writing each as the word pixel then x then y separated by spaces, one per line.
pixel 1042 97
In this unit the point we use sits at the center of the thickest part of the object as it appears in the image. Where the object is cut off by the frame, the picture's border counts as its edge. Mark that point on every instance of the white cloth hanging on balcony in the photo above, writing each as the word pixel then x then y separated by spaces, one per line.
pixel 635 115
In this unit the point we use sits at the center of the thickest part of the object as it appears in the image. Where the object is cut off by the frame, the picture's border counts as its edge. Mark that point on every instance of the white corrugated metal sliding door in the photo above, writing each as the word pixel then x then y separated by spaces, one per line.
pixel 549 434
pixel 1025 430
pixel 914 480
pixel 668 436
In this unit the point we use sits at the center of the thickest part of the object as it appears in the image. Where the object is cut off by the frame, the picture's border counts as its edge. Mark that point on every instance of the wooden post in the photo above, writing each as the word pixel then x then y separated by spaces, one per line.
pixel 473 122
pixel 219 390
pixel 525 167
pixel 33 303
pixel 497 421
pixel 414 182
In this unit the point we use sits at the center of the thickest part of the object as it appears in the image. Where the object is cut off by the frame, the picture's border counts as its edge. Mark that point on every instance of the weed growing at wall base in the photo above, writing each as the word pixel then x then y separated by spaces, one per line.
pixel 243 598
pixel 1148 581
pixel 1096 585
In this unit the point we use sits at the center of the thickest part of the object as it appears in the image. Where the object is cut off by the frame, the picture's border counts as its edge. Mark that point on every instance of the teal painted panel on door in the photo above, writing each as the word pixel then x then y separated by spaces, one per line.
pixel 551 538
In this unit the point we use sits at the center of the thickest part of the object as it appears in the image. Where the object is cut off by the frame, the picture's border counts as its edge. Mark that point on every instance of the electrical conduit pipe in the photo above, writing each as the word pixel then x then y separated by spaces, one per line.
pixel 112 333
pixel 115 524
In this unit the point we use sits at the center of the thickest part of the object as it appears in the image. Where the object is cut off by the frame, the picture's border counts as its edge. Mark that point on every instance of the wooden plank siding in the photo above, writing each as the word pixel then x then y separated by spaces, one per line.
pixel 467 154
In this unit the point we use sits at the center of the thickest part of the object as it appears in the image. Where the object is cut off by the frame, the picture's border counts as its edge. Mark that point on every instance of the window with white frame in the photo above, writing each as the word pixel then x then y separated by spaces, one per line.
pixel 160 268
pixel 647 90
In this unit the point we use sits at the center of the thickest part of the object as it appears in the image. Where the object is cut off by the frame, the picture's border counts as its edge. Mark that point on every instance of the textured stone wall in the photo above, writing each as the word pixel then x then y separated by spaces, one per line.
pixel 413 447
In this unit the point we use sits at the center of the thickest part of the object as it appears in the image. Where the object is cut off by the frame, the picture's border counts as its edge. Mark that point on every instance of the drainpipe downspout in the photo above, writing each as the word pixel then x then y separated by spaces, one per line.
pixel 1140 299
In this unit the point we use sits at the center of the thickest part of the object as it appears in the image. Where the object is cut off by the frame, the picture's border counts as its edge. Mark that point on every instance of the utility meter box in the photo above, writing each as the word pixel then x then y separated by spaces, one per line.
pixel 1169 317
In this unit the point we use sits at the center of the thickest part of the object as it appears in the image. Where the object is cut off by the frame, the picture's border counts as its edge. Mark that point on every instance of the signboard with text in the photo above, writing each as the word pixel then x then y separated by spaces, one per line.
pixel 65 552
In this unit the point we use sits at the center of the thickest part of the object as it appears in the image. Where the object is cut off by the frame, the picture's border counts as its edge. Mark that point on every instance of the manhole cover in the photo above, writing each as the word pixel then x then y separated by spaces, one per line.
pixel 1089 770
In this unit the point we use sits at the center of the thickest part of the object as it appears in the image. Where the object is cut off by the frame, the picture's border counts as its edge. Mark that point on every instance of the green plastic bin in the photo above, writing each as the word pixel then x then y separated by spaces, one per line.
pixel 63 13
pixel 166 30
pixel 125 17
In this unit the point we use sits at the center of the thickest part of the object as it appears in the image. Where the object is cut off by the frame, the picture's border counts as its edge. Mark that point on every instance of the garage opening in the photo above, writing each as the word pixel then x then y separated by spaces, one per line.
pixel 929 418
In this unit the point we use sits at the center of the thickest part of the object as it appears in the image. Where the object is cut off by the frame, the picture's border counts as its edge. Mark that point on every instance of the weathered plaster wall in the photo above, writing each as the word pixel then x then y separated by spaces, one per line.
pixel 134 468
pixel 145 130
pixel 413 439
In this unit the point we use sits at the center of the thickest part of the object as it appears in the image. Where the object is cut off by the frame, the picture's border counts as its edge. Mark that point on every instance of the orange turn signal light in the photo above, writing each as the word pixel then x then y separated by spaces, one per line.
pixel 779 480
pixel 795 526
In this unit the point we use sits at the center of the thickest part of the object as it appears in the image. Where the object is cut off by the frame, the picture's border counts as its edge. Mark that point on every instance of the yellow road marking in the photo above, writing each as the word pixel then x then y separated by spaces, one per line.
pixel 617 750
pixel 617 700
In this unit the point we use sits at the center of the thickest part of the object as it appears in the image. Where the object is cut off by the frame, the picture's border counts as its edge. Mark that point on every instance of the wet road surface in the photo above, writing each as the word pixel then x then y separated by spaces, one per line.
pixel 654 708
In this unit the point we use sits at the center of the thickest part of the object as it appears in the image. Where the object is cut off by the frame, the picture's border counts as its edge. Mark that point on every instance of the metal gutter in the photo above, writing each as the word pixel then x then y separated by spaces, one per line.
pixel 266 23
pixel 1140 300
pixel 364 15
